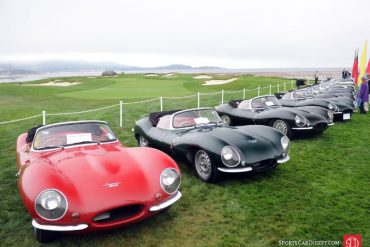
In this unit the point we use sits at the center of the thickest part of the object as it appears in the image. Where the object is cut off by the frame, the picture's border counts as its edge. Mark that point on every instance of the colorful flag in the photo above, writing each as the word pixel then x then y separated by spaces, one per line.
pixel 362 63
pixel 355 67
pixel 368 68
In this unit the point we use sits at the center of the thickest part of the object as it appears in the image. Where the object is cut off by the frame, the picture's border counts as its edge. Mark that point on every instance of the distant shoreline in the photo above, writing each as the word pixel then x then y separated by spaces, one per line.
pixel 298 73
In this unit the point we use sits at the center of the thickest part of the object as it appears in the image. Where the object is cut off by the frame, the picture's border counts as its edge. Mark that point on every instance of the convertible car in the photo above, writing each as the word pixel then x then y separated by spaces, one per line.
pixel 335 93
pixel 267 110
pixel 199 136
pixel 341 110
pixel 77 177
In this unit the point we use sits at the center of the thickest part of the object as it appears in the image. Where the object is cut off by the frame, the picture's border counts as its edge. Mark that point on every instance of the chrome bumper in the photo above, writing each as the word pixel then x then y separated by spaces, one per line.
pixel 337 112
pixel 59 228
pixel 167 203
pixel 283 160
pixel 302 128
pixel 235 170
pixel 248 169
pixel 331 124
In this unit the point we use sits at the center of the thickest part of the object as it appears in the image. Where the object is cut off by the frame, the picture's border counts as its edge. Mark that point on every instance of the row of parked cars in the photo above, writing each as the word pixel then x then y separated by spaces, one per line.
pixel 77 176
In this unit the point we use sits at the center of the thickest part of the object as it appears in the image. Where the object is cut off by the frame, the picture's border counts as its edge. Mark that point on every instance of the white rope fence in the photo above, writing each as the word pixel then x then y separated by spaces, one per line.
pixel 20 119
pixel 81 112
pixel 139 102
pixel 121 104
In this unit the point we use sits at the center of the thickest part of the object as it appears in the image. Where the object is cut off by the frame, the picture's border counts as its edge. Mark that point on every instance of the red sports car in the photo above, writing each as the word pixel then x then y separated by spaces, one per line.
pixel 77 176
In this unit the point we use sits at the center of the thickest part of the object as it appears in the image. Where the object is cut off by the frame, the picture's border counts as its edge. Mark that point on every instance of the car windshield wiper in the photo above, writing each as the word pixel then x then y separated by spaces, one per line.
pixel 83 142
pixel 201 125
pixel 50 147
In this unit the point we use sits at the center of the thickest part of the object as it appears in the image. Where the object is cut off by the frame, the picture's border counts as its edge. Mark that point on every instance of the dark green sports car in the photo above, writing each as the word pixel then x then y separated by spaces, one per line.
pixel 199 136
pixel 267 110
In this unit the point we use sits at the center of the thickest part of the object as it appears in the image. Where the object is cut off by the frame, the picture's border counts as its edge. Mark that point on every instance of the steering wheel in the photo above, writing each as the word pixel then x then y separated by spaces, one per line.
pixel 183 124
pixel 53 141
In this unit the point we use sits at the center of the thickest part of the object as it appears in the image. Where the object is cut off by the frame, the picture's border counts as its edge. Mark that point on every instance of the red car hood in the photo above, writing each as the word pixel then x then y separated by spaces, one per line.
pixel 97 177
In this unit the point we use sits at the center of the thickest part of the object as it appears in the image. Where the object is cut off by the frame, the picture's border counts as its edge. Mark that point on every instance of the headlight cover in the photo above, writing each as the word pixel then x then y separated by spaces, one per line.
pixel 285 142
pixel 230 157
pixel 300 121
pixel 331 116
pixel 51 204
pixel 332 107
pixel 170 180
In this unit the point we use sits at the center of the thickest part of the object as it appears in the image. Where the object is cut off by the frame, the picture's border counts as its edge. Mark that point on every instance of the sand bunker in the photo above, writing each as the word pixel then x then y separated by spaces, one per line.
pixel 168 75
pixel 219 82
pixel 56 83
pixel 151 75
pixel 202 77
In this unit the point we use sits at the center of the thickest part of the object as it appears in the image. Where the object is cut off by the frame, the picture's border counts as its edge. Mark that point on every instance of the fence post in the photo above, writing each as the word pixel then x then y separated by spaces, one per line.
pixel 43 117
pixel 270 89
pixel 244 93
pixel 222 96
pixel 120 113
pixel 258 90
pixel 284 86
pixel 161 102
pixel 278 89
pixel 198 100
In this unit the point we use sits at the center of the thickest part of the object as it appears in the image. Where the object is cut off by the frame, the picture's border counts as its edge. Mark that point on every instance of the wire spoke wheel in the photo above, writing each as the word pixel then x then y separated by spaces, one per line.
pixel 143 142
pixel 225 120
pixel 203 165
pixel 281 125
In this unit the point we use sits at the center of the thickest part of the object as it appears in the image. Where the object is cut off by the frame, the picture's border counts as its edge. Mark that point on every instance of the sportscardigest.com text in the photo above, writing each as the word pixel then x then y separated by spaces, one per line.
pixel 310 242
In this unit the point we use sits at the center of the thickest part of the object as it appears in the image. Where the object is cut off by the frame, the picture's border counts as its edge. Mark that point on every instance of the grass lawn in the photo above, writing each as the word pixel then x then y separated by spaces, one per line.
pixel 322 193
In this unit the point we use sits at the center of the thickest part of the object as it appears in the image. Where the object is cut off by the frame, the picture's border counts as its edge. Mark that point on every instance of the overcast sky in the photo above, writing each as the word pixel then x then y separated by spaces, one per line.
pixel 227 33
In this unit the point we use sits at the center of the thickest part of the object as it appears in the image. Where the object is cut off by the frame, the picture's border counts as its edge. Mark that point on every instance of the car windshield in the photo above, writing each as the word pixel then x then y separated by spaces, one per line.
pixel 264 102
pixel 288 96
pixel 299 95
pixel 245 104
pixel 316 89
pixel 310 93
pixel 195 117
pixel 70 134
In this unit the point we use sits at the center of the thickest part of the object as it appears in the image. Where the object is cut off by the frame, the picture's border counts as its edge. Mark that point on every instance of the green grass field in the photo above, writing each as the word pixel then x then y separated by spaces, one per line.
pixel 322 193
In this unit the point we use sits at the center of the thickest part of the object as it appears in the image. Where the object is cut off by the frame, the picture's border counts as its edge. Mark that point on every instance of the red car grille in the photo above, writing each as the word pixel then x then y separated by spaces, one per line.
pixel 121 213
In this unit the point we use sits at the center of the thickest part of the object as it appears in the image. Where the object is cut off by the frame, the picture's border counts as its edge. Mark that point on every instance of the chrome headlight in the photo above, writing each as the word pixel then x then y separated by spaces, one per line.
pixel 332 107
pixel 300 121
pixel 285 142
pixel 51 204
pixel 331 116
pixel 230 157
pixel 170 180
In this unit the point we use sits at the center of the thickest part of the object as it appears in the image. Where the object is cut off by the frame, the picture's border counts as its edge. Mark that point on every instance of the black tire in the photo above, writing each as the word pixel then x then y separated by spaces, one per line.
pixel 283 126
pixel 226 120
pixel 142 141
pixel 44 236
pixel 204 168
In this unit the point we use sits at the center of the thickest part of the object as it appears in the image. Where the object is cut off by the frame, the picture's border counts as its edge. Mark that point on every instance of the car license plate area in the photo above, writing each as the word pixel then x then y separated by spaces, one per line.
pixel 346 116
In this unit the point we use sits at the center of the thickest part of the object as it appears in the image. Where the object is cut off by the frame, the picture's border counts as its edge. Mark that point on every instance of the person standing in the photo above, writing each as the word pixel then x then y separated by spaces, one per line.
pixel 316 76
pixel 368 86
pixel 363 95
